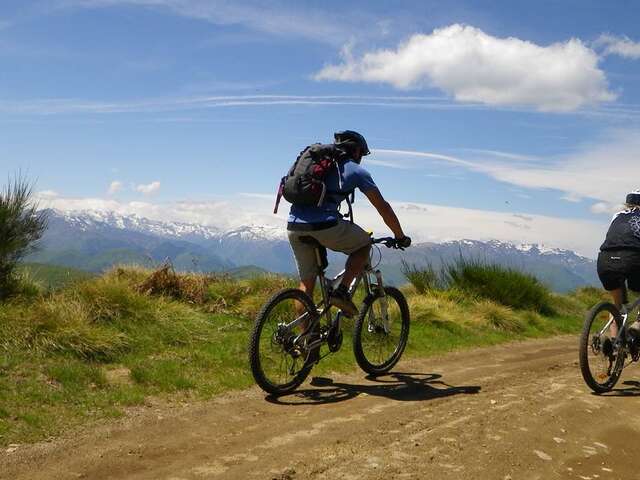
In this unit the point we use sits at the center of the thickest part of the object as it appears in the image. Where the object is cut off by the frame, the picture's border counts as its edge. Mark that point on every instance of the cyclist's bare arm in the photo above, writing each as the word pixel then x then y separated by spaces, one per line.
pixel 385 211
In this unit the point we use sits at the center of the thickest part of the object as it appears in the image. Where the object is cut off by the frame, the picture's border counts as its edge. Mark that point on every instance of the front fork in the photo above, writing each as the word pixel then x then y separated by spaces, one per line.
pixel 384 305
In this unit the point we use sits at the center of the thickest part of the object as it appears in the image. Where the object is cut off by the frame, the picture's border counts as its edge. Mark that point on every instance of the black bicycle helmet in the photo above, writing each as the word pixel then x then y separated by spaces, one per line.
pixel 350 138
pixel 633 198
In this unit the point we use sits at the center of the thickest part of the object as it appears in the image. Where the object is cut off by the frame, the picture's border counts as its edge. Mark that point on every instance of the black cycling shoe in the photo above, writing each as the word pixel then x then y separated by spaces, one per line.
pixel 340 298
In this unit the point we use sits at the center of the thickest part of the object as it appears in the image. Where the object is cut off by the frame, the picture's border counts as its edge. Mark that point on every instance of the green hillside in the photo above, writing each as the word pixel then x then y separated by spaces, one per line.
pixel 94 348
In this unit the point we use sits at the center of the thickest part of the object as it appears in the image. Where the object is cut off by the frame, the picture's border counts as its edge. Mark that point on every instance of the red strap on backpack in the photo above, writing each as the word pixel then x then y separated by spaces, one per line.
pixel 279 195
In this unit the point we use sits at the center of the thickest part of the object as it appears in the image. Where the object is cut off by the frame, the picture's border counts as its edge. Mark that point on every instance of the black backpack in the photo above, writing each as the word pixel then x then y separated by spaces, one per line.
pixel 305 183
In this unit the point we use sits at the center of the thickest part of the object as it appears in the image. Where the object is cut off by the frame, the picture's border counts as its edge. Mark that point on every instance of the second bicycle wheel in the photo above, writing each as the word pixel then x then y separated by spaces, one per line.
pixel 278 364
pixel 381 331
pixel 600 361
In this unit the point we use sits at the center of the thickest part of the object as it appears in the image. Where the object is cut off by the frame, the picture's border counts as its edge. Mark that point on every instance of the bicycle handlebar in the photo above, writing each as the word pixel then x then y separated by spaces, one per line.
pixel 389 242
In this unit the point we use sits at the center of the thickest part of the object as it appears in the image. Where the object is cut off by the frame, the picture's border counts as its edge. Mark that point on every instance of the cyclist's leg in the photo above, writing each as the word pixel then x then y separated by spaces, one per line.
pixel 617 295
pixel 351 239
pixel 611 271
pixel 633 281
pixel 355 264
pixel 306 263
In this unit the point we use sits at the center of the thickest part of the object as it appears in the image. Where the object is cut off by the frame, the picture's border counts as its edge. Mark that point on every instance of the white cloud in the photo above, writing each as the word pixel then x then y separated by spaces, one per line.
pixel 604 207
pixel 46 194
pixel 115 187
pixel 224 213
pixel 473 66
pixel 423 222
pixel 148 189
pixel 616 45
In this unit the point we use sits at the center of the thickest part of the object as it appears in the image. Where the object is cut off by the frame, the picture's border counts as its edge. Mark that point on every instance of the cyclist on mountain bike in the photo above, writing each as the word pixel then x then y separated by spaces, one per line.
pixel 619 258
pixel 327 226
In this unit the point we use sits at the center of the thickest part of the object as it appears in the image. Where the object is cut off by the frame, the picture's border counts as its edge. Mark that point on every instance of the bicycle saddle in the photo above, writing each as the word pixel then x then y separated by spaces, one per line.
pixel 324 262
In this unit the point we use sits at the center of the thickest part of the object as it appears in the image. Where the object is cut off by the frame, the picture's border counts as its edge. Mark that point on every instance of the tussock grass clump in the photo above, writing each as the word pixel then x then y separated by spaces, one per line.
pixel 433 307
pixel 503 285
pixel 213 293
pixel 498 316
pixel 591 295
pixel 59 324
pixel 187 287
pixel 423 279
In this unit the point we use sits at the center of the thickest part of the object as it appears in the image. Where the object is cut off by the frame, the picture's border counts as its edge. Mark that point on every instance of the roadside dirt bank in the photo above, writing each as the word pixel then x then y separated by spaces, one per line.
pixel 516 411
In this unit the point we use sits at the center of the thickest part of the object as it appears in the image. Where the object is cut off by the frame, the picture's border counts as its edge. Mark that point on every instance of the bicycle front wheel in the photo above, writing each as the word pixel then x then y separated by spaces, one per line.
pixel 601 361
pixel 381 331
pixel 278 364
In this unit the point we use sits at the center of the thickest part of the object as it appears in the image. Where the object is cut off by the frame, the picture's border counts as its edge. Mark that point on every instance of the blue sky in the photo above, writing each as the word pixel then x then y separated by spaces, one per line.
pixel 496 119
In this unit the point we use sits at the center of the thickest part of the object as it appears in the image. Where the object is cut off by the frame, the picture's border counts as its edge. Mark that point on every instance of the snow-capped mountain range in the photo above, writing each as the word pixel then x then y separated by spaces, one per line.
pixel 91 219
pixel 95 240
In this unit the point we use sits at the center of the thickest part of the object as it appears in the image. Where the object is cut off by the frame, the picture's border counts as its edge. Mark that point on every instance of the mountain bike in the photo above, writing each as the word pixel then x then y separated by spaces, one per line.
pixel 290 329
pixel 603 355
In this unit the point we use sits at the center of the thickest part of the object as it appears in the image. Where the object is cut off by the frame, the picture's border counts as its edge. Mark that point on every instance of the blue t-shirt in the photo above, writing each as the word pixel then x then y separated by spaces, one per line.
pixel 353 176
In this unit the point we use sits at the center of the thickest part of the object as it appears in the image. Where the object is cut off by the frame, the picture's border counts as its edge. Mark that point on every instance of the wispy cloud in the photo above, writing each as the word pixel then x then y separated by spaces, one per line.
pixel 622 46
pixel 172 104
pixel 273 18
pixel 74 106
pixel 497 153
pixel 148 189
pixel 603 171
pixel 474 66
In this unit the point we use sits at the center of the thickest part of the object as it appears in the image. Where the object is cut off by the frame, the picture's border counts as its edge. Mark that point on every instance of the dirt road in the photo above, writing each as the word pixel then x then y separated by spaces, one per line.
pixel 518 411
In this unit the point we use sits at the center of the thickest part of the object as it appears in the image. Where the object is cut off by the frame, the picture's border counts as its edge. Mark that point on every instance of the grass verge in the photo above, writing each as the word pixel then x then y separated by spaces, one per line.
pixel 93 349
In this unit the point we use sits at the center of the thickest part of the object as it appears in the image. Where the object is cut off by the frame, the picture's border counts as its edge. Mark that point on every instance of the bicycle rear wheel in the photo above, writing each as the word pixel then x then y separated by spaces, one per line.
pixel 379 339
pixel 278 364
pixel 600 363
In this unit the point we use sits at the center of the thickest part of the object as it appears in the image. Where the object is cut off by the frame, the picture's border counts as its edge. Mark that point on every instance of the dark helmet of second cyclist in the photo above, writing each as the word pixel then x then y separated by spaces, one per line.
pixel 350 139
pixel 633 198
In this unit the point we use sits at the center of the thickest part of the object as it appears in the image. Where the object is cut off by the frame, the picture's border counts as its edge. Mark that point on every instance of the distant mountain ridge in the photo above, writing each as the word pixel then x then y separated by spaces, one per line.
pixel 95 240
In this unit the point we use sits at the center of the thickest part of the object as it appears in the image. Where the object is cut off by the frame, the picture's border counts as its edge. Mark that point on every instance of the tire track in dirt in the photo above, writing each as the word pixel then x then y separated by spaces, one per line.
pixel 516 411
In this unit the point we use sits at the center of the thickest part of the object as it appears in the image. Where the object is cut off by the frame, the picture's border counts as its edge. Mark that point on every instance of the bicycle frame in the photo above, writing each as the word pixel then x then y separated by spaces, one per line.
pixel 324 307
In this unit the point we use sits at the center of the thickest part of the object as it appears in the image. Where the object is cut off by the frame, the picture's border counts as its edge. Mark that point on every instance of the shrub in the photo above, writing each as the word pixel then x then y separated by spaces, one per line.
pixel 21 225
pixel 503 285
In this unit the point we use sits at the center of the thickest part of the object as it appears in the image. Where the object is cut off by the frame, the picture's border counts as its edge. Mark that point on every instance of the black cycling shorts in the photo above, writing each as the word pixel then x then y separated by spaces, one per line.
pixel 616 266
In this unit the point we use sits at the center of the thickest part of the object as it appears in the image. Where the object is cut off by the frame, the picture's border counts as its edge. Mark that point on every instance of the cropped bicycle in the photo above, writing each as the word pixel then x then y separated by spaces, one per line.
pixel 290 328
pixel 603 352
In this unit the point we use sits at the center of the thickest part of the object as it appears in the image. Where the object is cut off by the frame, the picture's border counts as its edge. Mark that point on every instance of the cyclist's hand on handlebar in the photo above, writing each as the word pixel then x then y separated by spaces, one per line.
pixel 403 242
